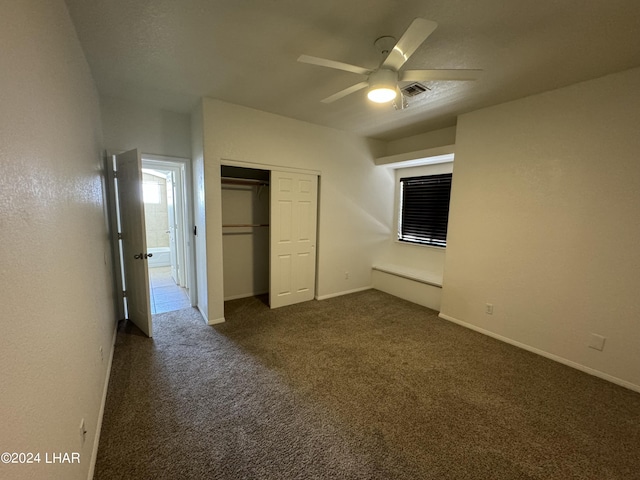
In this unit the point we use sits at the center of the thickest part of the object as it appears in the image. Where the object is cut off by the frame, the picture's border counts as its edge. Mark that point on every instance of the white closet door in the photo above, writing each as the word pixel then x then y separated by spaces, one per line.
pixel 294 205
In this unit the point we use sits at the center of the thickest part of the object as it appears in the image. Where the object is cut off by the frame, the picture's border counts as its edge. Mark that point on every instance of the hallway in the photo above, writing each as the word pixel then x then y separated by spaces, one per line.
pixel 165 295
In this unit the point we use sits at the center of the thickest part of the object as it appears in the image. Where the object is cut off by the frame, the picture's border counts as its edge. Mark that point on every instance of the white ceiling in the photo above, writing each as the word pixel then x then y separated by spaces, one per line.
pixel 169 53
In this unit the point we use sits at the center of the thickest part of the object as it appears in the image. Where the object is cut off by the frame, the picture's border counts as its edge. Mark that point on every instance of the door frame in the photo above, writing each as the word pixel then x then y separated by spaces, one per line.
pixel 270 167
pixel 176 212
pixel 114 227
pixel 165 162
pixel 227 162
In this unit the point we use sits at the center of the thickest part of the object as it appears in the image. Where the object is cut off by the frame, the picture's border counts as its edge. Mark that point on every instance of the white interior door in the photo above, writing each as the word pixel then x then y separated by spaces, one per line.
pixel 134 242
pixel 294 204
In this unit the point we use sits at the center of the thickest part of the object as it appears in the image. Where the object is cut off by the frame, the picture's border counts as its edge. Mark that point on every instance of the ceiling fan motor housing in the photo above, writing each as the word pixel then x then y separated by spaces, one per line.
pixel 383 79
pixel 385 44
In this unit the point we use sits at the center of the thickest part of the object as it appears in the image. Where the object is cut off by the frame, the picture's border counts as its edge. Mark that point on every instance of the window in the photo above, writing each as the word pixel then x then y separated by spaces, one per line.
pixel 424 209
pixel 151 192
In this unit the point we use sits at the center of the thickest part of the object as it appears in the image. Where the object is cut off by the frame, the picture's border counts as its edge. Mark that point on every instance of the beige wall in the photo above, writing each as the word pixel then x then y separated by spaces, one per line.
pixel 544 224
pixel 354 213
pixel 55 282
pixel 151 130
pixel 433 139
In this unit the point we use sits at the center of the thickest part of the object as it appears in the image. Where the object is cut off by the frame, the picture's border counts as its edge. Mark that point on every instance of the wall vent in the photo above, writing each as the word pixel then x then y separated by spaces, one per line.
pixel 413 89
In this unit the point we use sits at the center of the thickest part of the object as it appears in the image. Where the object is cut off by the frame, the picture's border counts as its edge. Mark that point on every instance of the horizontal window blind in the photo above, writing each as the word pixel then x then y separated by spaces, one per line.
pixel 424 209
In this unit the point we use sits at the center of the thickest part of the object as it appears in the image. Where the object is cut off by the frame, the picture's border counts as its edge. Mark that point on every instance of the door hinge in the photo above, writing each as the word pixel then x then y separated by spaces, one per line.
pixel 115 174
pixel 119 236
pixel 124 294
pixel 195 230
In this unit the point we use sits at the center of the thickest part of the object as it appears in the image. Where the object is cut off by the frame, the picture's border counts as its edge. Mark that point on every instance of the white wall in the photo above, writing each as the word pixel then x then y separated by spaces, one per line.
pixel 128 125
pixel 354 211
pixel 55 282
pixel 544 224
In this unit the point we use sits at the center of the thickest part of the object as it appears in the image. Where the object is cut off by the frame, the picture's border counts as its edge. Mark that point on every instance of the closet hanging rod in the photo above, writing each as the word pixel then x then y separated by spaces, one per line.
pixel 241 225
pixel 241 181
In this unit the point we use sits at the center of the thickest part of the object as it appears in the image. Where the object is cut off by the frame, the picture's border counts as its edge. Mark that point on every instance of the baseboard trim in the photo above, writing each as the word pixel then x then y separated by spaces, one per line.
pixel 216 321
pixel 204 316
pixel 542 353
pixel 346 292
pixel 96 440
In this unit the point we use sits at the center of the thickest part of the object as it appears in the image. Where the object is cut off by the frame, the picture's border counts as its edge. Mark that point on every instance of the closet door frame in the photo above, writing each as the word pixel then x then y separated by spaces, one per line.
pixel 224 162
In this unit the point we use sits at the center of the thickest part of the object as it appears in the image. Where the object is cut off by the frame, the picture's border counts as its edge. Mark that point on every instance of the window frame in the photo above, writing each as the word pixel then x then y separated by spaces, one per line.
pixel 412 172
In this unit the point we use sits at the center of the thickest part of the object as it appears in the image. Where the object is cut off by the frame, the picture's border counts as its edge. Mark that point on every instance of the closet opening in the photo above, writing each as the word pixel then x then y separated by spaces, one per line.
pixel 245 232
pixel 269 234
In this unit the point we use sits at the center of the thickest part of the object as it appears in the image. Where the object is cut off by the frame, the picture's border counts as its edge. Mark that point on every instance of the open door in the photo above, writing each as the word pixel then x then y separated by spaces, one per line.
pixel 294 205
pixel 134 242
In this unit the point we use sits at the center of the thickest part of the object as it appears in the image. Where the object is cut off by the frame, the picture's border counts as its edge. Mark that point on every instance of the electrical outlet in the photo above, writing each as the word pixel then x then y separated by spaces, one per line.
pixel 597 342
pixel 346 275
pixel 101 355
pixel 488 309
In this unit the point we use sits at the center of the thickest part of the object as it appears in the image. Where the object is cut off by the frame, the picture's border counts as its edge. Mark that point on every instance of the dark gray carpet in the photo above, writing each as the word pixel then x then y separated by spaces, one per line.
pixel 365 386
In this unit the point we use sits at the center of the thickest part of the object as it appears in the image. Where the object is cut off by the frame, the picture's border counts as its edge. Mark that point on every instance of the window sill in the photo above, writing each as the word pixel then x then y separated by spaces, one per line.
pixel 410 274
pixel 421 245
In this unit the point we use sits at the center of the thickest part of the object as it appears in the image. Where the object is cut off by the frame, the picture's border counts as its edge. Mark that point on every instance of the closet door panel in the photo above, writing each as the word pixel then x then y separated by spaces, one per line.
pixel 306 273
pixel 294 204
pixel 284 270
pixel 285 221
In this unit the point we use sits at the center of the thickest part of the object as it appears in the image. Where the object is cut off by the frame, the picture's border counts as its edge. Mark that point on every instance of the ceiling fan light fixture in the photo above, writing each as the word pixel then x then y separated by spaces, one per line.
pixel 382 86
pixel 381 95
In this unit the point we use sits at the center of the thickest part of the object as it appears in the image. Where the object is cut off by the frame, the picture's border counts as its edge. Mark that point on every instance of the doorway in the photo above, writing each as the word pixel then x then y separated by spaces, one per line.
pixel 165 193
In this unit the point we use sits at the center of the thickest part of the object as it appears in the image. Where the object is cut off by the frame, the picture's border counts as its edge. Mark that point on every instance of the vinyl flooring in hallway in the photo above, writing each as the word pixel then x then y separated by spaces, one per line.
pixel 166 296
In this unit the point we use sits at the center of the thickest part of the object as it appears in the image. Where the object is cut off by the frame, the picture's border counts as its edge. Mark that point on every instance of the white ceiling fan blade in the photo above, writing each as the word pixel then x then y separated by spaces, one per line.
pixel 411 39
pixel 426 75
pixel 345 92
pixel 323 62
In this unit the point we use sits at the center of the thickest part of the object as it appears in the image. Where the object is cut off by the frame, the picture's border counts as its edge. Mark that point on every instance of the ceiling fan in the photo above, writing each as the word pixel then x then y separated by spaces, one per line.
pixel 383 82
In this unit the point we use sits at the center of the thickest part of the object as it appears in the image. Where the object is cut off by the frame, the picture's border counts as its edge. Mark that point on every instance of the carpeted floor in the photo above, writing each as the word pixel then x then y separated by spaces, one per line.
pixel 365 386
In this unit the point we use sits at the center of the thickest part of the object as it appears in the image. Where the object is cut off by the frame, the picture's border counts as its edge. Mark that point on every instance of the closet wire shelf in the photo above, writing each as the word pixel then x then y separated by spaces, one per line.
pixel 240 181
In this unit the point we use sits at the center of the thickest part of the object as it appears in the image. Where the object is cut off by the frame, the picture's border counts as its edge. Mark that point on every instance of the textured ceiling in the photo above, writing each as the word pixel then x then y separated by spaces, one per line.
pixel 169 53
